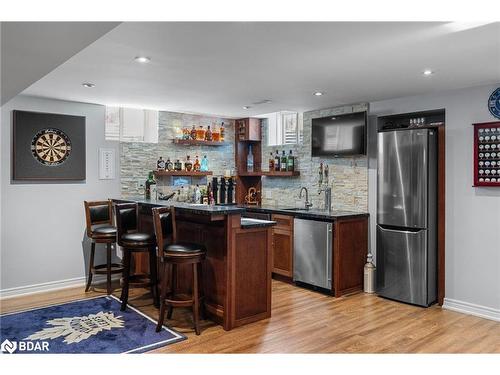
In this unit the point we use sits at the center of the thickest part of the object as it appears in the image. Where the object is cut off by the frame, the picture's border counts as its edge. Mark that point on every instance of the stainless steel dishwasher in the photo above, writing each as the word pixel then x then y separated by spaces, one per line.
pixel 312 252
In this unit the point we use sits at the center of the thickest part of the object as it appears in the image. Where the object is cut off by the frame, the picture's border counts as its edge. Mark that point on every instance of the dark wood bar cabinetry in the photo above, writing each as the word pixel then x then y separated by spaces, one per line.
pixel 236 275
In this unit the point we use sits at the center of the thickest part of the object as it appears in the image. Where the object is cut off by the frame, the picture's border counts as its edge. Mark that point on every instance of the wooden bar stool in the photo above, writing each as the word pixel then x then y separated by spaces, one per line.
pixel 176 253
pixel 100 229
pixel 133 241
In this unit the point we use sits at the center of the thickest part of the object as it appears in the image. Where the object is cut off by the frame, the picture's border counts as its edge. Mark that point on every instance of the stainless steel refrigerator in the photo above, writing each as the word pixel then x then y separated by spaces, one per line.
pixel 407 216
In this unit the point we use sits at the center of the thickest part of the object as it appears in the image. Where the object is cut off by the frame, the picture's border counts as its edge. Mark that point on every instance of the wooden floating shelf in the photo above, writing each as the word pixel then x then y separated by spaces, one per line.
pixel 269 174
pixel 182 173
pixel 195 142
pixel 281 174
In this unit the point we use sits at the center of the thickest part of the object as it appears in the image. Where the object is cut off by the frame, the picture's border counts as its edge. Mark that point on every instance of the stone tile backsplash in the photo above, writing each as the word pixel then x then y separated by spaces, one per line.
pixel 348 176
pixel 138 158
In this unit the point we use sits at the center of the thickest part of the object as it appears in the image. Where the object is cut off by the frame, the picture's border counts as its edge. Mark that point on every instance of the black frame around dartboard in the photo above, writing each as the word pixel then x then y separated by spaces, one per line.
pixel 60 156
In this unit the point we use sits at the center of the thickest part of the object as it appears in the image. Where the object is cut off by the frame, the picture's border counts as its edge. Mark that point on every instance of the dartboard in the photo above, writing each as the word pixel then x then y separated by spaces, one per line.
pixel 51 146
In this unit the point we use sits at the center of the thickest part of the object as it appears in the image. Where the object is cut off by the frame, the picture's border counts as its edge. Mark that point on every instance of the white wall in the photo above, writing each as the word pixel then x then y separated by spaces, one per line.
pixel 472 214
pixel 42 225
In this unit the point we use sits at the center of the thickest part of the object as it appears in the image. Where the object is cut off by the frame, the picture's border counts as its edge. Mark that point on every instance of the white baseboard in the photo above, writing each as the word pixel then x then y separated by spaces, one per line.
pixel 472 309
pixel 46 287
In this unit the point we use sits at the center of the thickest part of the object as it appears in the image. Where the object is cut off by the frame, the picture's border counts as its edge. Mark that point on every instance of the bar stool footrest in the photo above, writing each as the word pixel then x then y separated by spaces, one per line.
pixel 139 280
pixel 103 269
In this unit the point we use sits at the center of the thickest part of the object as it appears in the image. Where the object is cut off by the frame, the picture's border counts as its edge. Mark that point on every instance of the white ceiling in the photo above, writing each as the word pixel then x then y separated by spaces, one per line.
pixel 30 50
pixel 218 68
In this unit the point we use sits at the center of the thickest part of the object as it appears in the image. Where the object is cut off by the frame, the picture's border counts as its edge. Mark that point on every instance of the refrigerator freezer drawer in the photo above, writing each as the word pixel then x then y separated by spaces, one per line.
pixel 402 266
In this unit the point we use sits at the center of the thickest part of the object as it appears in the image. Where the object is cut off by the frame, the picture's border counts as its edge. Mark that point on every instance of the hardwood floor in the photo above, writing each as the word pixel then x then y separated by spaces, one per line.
pixel 308 322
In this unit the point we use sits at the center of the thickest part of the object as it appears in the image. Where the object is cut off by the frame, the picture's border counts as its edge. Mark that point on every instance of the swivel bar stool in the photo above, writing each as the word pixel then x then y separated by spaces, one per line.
pixel 176 253
pixel 133 241
pixel 100 229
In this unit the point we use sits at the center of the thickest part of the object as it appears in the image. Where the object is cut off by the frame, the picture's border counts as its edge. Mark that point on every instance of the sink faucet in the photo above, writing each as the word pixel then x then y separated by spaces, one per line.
pixel 307 204
pixel 328 196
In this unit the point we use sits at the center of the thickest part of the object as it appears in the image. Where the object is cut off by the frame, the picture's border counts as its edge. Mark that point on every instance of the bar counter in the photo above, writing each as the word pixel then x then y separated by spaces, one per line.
pixel 236 275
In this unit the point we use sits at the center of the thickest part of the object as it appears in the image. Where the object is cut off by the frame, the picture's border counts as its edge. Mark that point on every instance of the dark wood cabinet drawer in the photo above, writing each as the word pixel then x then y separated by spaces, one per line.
pixel 283 222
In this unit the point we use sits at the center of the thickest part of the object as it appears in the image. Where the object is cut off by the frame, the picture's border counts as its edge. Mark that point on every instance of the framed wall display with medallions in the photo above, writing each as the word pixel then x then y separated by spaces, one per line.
pixel 48 146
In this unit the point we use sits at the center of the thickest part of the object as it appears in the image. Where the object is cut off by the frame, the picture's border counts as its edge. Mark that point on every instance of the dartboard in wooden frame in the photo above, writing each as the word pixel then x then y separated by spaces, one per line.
pixel 51 146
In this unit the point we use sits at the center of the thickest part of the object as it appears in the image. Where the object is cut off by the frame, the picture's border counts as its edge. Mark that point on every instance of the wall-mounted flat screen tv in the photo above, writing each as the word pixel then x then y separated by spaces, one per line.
pixel 339 135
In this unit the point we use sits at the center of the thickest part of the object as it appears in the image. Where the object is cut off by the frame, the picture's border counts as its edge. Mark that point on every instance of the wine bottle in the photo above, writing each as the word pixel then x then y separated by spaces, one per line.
pixel 277 162
pixel 283 162
pixel 221 131
pixel 271 162
pixel 250 159
pixel 290 162
pixel 149 182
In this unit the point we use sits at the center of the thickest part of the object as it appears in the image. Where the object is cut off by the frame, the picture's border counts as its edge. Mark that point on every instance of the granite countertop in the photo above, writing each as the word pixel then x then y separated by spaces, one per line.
pixel 203 209
pixel 305 214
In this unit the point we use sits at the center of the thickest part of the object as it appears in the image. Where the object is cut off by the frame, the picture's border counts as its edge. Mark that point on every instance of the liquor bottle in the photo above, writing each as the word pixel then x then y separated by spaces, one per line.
pixel 169 166
pixel 200 134
pixel 230 190
pixel 178 165
pixel 210 196
pixel 197 194
pixel 149 182
pixel 188 165
pixel 290 162
pixel 283 162
pixel 160 164
pixel 271 163
pixel 221 132
pixel 222 193
pixel 204 164
pixel 186 134
pixel 193 132
pixel 196 165
pixel 215 190
pixel 208 134
pixel 277 162
pixel 215 133
pixel 250 159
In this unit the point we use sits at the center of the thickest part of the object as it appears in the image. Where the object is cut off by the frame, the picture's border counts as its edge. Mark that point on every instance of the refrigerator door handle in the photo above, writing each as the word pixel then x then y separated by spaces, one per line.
pixel 385 229
pixel 329 255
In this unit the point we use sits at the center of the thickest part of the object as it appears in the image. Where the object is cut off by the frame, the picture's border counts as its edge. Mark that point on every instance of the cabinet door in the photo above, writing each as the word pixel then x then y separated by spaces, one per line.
pixel 283 252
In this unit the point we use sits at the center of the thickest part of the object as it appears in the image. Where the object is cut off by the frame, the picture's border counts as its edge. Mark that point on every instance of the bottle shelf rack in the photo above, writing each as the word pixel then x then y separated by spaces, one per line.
pixel 196 142
pixel 159 173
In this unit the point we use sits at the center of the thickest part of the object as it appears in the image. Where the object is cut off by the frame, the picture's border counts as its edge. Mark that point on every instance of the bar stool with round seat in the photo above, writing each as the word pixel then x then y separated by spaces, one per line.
pixel 100 229
pixel 176 253
pixel 133 241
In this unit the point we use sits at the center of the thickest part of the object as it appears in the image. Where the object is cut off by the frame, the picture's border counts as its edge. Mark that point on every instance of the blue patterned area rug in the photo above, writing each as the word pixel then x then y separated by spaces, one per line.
pixel 94 325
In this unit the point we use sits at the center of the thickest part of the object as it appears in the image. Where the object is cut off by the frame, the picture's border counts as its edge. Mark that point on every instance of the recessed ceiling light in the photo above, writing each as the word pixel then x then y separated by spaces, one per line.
pixel 142 59
pixel 246 107
pixel 88 85
pixel 318 93
pixel 427 72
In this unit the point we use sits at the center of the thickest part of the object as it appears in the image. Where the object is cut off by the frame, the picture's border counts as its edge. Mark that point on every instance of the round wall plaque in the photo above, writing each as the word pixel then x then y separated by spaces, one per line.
pixel 494 103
